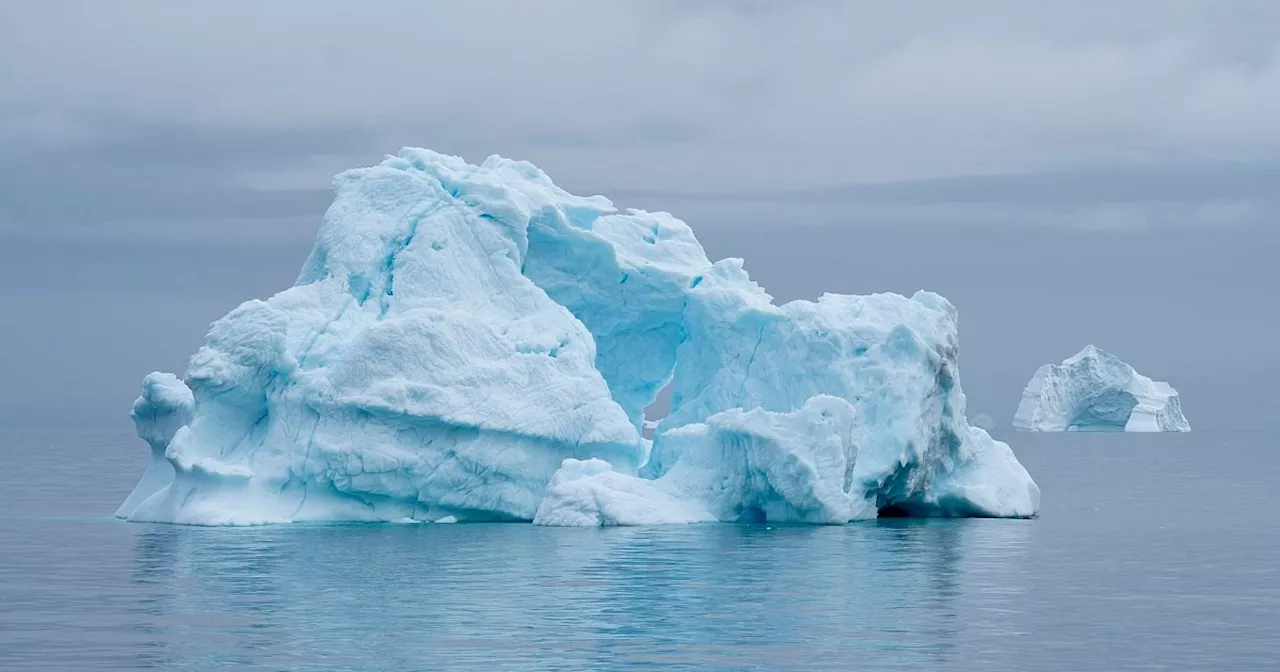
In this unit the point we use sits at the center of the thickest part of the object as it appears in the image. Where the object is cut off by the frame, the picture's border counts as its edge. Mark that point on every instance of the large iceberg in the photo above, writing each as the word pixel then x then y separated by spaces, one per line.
pixel 474 343
pixel 1093 391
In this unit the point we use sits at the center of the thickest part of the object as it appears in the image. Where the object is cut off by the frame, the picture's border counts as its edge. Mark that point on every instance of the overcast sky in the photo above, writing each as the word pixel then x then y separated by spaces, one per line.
pixel 1066 172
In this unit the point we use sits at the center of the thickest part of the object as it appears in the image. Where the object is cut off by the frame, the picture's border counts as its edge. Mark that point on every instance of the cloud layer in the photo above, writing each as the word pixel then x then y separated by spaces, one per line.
pixel 211 105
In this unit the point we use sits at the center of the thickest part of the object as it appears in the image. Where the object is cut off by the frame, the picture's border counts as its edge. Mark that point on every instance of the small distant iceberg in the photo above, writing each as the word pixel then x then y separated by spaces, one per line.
pixel 1094 391
pixel 984 421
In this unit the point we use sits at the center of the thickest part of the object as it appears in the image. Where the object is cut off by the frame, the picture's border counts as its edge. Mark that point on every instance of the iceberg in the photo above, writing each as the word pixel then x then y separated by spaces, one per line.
pixel 163 408
pixel 1094 391
pixel 473 343
pixel 985 421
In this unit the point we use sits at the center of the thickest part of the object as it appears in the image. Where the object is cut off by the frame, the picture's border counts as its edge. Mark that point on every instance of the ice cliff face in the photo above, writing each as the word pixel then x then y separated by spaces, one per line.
pixel 1095 391
pixel 473 343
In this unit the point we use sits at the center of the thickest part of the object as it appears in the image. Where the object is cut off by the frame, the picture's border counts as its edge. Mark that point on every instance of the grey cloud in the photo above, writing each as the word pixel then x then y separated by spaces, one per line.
pixel 119 177
pixel 834 92
pixel 1101 198
pixel 133 142
pixel 1096 114
pixel 1169 183
pixel 159 176
pixel 1172 183
pixel 649 132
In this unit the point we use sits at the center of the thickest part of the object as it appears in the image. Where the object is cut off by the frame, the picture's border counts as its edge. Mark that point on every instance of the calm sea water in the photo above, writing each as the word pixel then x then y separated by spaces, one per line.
pixel 1151 553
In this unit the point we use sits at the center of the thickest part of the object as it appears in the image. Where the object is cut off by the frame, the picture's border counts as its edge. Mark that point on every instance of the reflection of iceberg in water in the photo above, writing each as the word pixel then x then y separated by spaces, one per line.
pixel 994 570
pixel 905 591
pixel 196 590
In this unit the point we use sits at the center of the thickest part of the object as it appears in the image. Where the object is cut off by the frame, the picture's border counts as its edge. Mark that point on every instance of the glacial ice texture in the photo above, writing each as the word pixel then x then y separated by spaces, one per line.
pixel 1093 391
pixel 473 343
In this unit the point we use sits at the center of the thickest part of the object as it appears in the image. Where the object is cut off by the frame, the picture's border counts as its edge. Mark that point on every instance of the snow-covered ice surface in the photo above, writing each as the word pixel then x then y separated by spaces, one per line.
pixel 1094 391
pixel 474 343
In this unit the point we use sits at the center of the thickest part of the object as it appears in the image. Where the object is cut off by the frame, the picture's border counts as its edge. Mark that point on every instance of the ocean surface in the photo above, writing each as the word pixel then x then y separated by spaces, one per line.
pixel 1152 552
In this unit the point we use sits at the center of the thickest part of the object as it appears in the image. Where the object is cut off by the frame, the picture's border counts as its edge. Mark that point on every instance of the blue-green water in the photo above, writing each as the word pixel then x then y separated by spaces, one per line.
pixel 1152 553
